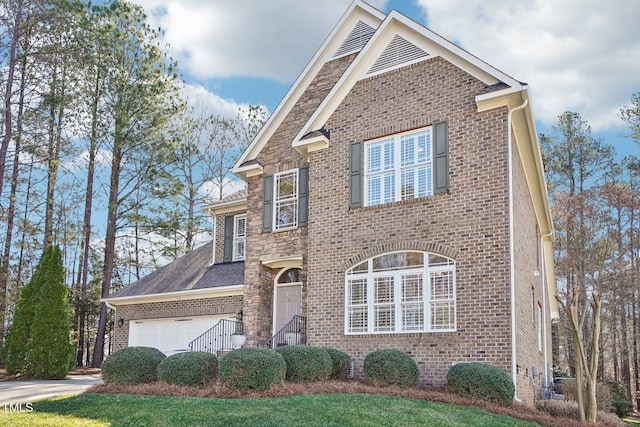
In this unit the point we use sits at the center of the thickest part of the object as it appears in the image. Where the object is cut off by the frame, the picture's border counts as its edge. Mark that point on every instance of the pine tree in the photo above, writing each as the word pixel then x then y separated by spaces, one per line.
pixel 38 343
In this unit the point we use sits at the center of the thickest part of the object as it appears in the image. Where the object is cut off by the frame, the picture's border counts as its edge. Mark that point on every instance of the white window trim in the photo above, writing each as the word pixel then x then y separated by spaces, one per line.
pixel 426 272
pixel 237 237
pixel 276 203
pixel 397 167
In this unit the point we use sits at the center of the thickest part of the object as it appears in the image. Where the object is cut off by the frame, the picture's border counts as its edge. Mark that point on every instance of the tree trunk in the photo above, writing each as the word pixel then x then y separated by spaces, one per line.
pixel 11 66
pixel 110 243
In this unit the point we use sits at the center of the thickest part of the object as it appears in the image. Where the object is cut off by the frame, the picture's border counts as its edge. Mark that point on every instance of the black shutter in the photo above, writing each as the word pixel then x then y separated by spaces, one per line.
pixel 228 239
pixel 267 203
pixel 303 196
pixel 441 157
pixel 355 175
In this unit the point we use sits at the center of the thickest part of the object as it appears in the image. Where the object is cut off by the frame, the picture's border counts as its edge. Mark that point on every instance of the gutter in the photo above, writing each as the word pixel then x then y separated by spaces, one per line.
pixel 512 252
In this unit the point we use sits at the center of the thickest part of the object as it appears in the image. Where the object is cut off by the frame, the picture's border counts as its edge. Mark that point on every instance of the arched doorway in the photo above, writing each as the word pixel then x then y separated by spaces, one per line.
pixel 287 297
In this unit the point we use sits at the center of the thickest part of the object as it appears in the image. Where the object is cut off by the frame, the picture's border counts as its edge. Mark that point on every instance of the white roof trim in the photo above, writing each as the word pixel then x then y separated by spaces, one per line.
pixel 357 11
pixel 226 207
pixel 423 38
pixel 220 291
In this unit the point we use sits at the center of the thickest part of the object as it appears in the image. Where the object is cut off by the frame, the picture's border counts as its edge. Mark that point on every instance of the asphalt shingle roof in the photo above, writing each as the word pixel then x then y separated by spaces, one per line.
pixel 191 271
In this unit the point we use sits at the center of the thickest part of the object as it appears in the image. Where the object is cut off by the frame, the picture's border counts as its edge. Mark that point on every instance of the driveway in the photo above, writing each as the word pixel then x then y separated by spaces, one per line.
pixel 24 391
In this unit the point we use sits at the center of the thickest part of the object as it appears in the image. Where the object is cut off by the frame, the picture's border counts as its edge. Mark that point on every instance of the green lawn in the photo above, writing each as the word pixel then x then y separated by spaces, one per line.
pixel 304 410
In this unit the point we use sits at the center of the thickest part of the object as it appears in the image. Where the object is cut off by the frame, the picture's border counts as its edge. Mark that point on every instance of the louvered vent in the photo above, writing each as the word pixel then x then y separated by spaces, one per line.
pixel 399 51
pixel 356 40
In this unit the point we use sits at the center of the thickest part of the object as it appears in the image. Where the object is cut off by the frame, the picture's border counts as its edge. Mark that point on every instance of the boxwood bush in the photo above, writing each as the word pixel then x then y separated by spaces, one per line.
pixel 481 381
pixel 132 365
pixel 391 367
pixel 341 363
pixel 251 368
pixel 192 369
pixel 306 363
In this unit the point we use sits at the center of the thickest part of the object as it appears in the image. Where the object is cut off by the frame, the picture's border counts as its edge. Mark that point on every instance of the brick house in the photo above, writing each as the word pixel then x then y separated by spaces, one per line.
pixel 395 199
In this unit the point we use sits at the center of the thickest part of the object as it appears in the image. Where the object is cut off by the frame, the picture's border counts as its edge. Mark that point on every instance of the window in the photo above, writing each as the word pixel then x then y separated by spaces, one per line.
pixel 400 292
pixel 285 197
pixel 398 168
pixel 239 237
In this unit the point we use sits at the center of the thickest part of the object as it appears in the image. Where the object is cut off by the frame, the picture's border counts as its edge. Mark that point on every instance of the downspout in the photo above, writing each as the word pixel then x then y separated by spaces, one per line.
pixel 544 310
pixel 514 371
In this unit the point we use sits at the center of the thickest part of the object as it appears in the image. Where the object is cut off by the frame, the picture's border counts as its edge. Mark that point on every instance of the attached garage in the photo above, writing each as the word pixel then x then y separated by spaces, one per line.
pixel 171 335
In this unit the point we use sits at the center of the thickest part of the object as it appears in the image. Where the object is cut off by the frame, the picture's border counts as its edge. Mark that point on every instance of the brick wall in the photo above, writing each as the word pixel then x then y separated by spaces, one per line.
pixel 160 310
pixel 471 224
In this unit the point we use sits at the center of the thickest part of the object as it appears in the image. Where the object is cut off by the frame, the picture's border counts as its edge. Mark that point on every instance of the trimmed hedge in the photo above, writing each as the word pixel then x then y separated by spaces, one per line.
pixel 481 381
pixel 132 365
pixel 391 367
pixel 192 369
pixel 251 368
pixel 341 362
pixel 306 363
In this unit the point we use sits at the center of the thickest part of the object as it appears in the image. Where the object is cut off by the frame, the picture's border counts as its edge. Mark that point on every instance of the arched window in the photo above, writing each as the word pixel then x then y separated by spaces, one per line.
pixel 401 292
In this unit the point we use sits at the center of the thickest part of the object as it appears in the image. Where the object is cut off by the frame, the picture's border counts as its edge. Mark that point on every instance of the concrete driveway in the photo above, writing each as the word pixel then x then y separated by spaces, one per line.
pixel 25 391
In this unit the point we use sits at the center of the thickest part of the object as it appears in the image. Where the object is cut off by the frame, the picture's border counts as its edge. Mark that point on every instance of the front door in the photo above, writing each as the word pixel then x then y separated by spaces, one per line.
pixel 288 298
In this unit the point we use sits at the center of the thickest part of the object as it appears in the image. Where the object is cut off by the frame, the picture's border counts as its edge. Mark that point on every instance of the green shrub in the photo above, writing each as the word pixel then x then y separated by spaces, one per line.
pixel 251 368
pixel 132 365
pixel 341 362
pixel 391 367
pixel 192 369
pixel 306 363
pixel 481 381
pixel 620 403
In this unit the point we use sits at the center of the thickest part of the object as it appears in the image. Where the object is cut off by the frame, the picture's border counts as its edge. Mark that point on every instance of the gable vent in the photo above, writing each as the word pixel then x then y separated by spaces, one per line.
pixel 399 51
pixel 356 40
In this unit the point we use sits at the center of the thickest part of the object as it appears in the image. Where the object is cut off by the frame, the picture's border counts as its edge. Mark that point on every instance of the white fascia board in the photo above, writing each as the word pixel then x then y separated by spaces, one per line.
pixel 220 208
pixel 430 42
pixel 176 296
pixel 358 10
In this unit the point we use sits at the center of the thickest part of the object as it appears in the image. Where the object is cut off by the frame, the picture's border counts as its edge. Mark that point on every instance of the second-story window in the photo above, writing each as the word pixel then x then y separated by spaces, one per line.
pixel 239 237
pixel 285 198
pixel 398 167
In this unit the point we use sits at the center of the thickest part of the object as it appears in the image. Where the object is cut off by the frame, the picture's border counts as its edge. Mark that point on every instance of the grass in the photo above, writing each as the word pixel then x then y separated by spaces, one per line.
pixel 308 410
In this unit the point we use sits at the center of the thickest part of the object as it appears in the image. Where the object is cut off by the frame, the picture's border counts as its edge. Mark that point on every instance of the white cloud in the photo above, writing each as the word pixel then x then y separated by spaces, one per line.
pixel 207 103
pixel 576 55
pixel 252 38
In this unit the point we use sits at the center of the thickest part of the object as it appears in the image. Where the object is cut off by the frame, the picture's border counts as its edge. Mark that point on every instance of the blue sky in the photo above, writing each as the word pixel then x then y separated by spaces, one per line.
pixel 576 55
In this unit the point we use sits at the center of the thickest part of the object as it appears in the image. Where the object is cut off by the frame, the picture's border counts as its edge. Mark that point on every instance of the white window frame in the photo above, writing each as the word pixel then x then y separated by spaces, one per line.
pixel 239 238
pixel 395 306
pixel 390 172
pixel 280 201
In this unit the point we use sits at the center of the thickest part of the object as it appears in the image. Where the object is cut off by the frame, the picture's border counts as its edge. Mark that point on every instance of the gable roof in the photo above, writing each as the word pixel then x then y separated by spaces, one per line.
pixel 192 272
pixel 383 42
pixel 348 36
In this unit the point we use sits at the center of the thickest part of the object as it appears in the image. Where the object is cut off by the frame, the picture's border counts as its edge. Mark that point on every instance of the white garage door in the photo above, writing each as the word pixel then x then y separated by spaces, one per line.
pixel 171 335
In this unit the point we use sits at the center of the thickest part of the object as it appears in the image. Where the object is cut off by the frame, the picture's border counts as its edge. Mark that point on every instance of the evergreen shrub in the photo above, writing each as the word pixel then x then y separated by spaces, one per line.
pixel 251 368
pixel 191 369
pixel 481 381
pixel 306 363
pixel 391 367
pixel 341 362
pixel 132 365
